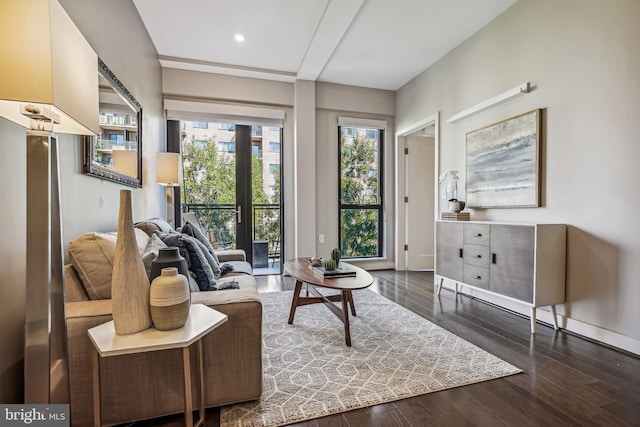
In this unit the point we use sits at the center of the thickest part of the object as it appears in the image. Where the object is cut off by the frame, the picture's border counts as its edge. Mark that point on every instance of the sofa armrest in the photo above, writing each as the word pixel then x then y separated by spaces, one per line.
pixel 227 255
pixel 91 308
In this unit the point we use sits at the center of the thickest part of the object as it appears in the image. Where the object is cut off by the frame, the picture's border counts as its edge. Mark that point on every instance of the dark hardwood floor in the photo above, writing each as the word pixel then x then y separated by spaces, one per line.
pixel 567 380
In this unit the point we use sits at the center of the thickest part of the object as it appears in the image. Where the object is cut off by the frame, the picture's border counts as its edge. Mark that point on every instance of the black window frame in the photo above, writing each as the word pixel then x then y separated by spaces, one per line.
pixel 379 207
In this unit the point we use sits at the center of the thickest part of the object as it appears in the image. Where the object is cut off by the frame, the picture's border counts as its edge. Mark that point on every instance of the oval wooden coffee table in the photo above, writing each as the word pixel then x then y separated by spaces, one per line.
pixel 301 270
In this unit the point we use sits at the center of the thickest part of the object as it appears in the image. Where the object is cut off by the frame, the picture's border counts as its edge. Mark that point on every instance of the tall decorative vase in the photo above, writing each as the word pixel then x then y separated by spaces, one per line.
pixel 170 299
pixel 129 282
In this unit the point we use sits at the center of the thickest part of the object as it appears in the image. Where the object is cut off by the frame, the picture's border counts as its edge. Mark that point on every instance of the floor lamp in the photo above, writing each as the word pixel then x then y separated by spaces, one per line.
pixel 49 79
pixel 168 175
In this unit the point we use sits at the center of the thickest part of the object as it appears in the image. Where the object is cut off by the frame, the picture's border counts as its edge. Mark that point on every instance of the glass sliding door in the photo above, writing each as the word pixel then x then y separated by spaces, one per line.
pixel 266 200
pixel 232 183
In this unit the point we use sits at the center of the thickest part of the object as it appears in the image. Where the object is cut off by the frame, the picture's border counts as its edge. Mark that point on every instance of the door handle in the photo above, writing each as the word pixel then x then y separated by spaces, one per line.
pixel 493 258
pixel 460 252
pixel 239 214
pixel 475 276
pixel 477 235
pixel 478 256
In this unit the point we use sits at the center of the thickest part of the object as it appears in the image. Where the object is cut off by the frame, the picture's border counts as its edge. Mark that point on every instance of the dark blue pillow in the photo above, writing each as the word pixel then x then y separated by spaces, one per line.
pixel 198 262
pixel 195 231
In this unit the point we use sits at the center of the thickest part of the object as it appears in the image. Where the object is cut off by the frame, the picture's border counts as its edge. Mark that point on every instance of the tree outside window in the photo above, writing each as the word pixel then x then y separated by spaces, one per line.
pixel 360 192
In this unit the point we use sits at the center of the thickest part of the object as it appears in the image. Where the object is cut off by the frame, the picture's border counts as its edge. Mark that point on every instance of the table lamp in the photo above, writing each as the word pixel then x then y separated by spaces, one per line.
pixel 49 80
pixel 168 175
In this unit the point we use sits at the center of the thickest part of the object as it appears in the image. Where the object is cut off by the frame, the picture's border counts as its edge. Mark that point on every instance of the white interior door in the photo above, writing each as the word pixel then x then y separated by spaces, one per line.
pixel 420 206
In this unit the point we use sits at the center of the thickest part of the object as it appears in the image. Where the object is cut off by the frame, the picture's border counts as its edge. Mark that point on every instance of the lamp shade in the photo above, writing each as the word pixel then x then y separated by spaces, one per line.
pixel 47 62
pixel 126 162
pixel 168 169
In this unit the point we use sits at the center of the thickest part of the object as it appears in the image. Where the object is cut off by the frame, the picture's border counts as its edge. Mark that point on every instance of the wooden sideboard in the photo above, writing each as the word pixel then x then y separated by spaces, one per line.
pixel 522 262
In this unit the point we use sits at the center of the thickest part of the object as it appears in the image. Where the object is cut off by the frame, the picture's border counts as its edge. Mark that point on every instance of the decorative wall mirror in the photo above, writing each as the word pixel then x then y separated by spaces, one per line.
pixel 116 153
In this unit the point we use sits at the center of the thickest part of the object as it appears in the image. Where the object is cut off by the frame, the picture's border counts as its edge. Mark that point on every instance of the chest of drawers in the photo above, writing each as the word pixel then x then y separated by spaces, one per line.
pixel 522 262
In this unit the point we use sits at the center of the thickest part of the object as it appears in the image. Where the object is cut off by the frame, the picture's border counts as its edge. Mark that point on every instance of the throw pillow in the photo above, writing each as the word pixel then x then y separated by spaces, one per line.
pixel 92 256
pixel 199 264
pixel 195 231
pixel 151 252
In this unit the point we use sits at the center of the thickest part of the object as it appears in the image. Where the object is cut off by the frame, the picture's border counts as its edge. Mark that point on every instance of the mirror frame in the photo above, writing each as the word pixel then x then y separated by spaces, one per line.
pixel 89 142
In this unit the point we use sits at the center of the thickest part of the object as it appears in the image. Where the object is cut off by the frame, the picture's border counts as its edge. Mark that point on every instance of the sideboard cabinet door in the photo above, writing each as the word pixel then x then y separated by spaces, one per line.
pixel 449 261
pixel 512 261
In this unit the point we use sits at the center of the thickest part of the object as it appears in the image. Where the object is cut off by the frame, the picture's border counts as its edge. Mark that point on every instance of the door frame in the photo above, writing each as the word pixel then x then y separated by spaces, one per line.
pixel 401 225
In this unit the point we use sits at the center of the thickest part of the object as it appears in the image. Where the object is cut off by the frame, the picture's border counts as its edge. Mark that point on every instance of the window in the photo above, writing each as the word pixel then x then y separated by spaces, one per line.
pixel 360 192
pixel 353 132
pixel 256 151
pixel 256 130
pixel 201 125
pixel 274 147
pixel 226 126
pixel 116 138
pixel 227 147
pixel 273 167
pixel 200 143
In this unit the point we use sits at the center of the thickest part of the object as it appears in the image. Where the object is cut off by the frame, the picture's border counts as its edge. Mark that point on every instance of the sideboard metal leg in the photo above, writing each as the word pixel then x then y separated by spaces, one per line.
pixel 533 320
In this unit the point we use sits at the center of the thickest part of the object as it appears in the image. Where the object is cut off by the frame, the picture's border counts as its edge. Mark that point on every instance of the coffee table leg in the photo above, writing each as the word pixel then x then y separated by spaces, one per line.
pixel 294 301
pixel 345 313
pixel 351 303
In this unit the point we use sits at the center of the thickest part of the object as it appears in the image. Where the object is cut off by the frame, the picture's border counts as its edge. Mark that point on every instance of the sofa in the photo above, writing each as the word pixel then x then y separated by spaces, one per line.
pixel 149 385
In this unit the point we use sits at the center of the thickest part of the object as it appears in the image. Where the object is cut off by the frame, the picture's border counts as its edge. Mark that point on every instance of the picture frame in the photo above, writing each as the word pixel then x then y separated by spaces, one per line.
pixel 503 163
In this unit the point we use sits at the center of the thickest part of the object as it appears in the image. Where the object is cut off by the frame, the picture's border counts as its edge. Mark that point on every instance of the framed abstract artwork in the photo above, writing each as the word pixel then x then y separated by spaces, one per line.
pixel 503 167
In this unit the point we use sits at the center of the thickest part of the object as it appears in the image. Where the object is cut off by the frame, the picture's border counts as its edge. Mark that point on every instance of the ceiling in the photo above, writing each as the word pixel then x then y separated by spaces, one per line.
pixel 371 43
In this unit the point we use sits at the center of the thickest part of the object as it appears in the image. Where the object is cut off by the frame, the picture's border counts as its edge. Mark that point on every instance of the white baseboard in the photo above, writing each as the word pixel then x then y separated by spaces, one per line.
pixel 372 264
pixel 593 332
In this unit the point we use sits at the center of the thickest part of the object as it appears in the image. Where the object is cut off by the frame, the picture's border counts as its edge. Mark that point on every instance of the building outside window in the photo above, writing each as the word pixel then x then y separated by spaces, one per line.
pixel 227 147
pixel 200 125
pixel 200 143
pixel 274 147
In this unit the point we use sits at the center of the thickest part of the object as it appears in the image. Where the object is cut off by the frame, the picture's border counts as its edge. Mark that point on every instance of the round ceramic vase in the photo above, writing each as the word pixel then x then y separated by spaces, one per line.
pixel 169 300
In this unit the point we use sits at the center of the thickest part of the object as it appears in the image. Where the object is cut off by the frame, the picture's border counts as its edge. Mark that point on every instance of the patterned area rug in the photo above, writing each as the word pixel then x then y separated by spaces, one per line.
pixel 309 372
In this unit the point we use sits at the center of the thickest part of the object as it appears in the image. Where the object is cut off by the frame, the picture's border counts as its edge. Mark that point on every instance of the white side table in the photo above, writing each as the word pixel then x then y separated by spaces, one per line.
pixel 107 343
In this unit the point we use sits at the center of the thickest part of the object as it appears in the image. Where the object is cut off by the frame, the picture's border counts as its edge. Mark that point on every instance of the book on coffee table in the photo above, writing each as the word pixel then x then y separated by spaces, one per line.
pixel 341 271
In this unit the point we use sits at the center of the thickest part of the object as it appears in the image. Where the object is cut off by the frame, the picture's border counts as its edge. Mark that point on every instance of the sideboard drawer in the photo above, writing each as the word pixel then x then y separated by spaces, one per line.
pixel 476 276
pixel 476 234
pixel 476 255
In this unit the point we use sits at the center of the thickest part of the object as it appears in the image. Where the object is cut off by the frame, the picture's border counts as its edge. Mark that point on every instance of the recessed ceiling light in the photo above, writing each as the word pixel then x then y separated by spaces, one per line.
pixel 238 37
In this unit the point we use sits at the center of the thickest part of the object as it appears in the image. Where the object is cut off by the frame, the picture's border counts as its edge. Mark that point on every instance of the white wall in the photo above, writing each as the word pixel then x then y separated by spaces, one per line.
pixel 582 59
pixel 116 33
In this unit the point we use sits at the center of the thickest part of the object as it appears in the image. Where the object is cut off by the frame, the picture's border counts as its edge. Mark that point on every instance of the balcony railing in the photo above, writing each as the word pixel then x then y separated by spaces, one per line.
pixel 219 220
